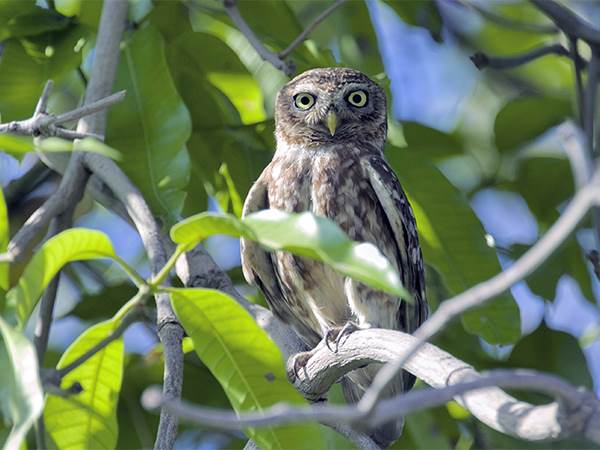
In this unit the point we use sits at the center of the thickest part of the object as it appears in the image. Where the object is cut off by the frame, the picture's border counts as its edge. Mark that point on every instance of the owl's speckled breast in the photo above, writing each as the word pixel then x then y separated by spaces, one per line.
pixel 330 183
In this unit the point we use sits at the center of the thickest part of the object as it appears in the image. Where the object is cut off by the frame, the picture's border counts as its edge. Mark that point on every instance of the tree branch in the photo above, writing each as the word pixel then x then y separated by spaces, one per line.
pixel 576 412
pixel 277 60
pixel 479 294
pixel 568 21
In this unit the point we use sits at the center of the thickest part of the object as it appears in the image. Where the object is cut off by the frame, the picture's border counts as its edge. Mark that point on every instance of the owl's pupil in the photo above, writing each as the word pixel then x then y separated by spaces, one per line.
pixel 304 100
pixel 356 98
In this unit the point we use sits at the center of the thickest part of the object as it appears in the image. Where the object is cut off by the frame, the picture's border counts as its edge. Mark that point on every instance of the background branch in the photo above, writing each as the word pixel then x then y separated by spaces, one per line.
pixel 451 378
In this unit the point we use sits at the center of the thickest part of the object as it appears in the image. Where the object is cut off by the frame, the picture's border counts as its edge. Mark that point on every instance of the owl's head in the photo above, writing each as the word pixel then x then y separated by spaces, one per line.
pixel 330 106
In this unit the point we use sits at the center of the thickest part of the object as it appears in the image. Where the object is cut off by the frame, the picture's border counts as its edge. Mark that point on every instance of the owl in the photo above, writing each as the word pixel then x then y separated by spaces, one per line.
pixel 330 127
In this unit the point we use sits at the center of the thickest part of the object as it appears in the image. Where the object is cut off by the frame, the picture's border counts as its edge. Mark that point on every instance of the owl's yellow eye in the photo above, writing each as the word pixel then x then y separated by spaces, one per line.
pixel 357 98
pixel 304 100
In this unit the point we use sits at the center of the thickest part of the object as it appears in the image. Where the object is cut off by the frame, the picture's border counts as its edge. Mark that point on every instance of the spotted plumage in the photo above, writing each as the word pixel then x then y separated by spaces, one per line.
pixel 331 127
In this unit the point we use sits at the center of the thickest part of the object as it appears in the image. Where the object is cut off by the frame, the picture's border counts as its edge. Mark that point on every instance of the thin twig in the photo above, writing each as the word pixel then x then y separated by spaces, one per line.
pixel 91 108
pixel 286 67
pixel 309 29
pixel 133 316
pixel 483 292
pixel 46 311
pixel 42 103
pixel 482 60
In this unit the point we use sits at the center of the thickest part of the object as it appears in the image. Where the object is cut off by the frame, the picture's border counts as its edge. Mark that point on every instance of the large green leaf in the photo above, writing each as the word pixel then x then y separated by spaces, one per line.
pixel 221 96
pixel 245 361
pixel 4 237
pixel 302 234
pixel 75 244
pixel 151 126
pixel 21 394
pixel 453 242
pixel 525 118
pixel 89 419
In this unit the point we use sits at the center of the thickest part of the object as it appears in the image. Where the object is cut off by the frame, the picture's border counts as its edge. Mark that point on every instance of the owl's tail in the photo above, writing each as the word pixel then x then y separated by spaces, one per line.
pixel 356 383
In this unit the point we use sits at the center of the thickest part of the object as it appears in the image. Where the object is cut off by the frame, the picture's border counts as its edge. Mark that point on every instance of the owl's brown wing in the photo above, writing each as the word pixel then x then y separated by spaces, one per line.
pixel 260 270
pixel 403 227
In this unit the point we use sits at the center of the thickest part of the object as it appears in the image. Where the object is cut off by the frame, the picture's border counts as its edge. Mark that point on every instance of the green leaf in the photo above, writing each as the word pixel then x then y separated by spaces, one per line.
pixel 54 144
pixel 27 64
pixel 302 234
pixel 236 202
pixel 430 142
pixel 245 361
pixel 153 127
pixel 453 243
pixel 21 394
pixel 89 419
pixel 75 244
pixel 4 238
pixel 525 118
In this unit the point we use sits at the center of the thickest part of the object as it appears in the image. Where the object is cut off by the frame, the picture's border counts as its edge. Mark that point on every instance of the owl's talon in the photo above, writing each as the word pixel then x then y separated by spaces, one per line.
pixel 296 363
pixel 335 335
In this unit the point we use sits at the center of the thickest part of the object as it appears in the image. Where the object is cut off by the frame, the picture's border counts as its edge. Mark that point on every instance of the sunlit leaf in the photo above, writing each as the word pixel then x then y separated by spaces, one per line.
pixel 153 127
pixel 88 419
pixel 21 394
pixel 75 244
pixel 453 242
pixel 302 234
pixel 248 365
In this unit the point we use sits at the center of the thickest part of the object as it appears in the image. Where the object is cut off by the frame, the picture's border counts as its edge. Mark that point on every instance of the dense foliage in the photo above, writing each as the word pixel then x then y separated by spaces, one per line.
pixel 196 129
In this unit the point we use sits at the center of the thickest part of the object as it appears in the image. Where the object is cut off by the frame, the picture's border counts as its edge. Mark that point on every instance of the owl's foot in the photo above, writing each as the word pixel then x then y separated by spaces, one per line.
pixel 296 363
pixel 335 335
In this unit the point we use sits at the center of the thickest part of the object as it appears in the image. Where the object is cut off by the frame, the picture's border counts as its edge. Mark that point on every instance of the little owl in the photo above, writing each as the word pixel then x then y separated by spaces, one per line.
pixel 331 127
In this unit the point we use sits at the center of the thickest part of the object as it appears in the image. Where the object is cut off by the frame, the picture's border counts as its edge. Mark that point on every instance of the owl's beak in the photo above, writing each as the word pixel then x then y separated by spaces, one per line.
pixel 332 122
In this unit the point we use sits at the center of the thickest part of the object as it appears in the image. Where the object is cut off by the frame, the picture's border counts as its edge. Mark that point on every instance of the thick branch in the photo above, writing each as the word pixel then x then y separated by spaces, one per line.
pixel 576 413
pixel 479 294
